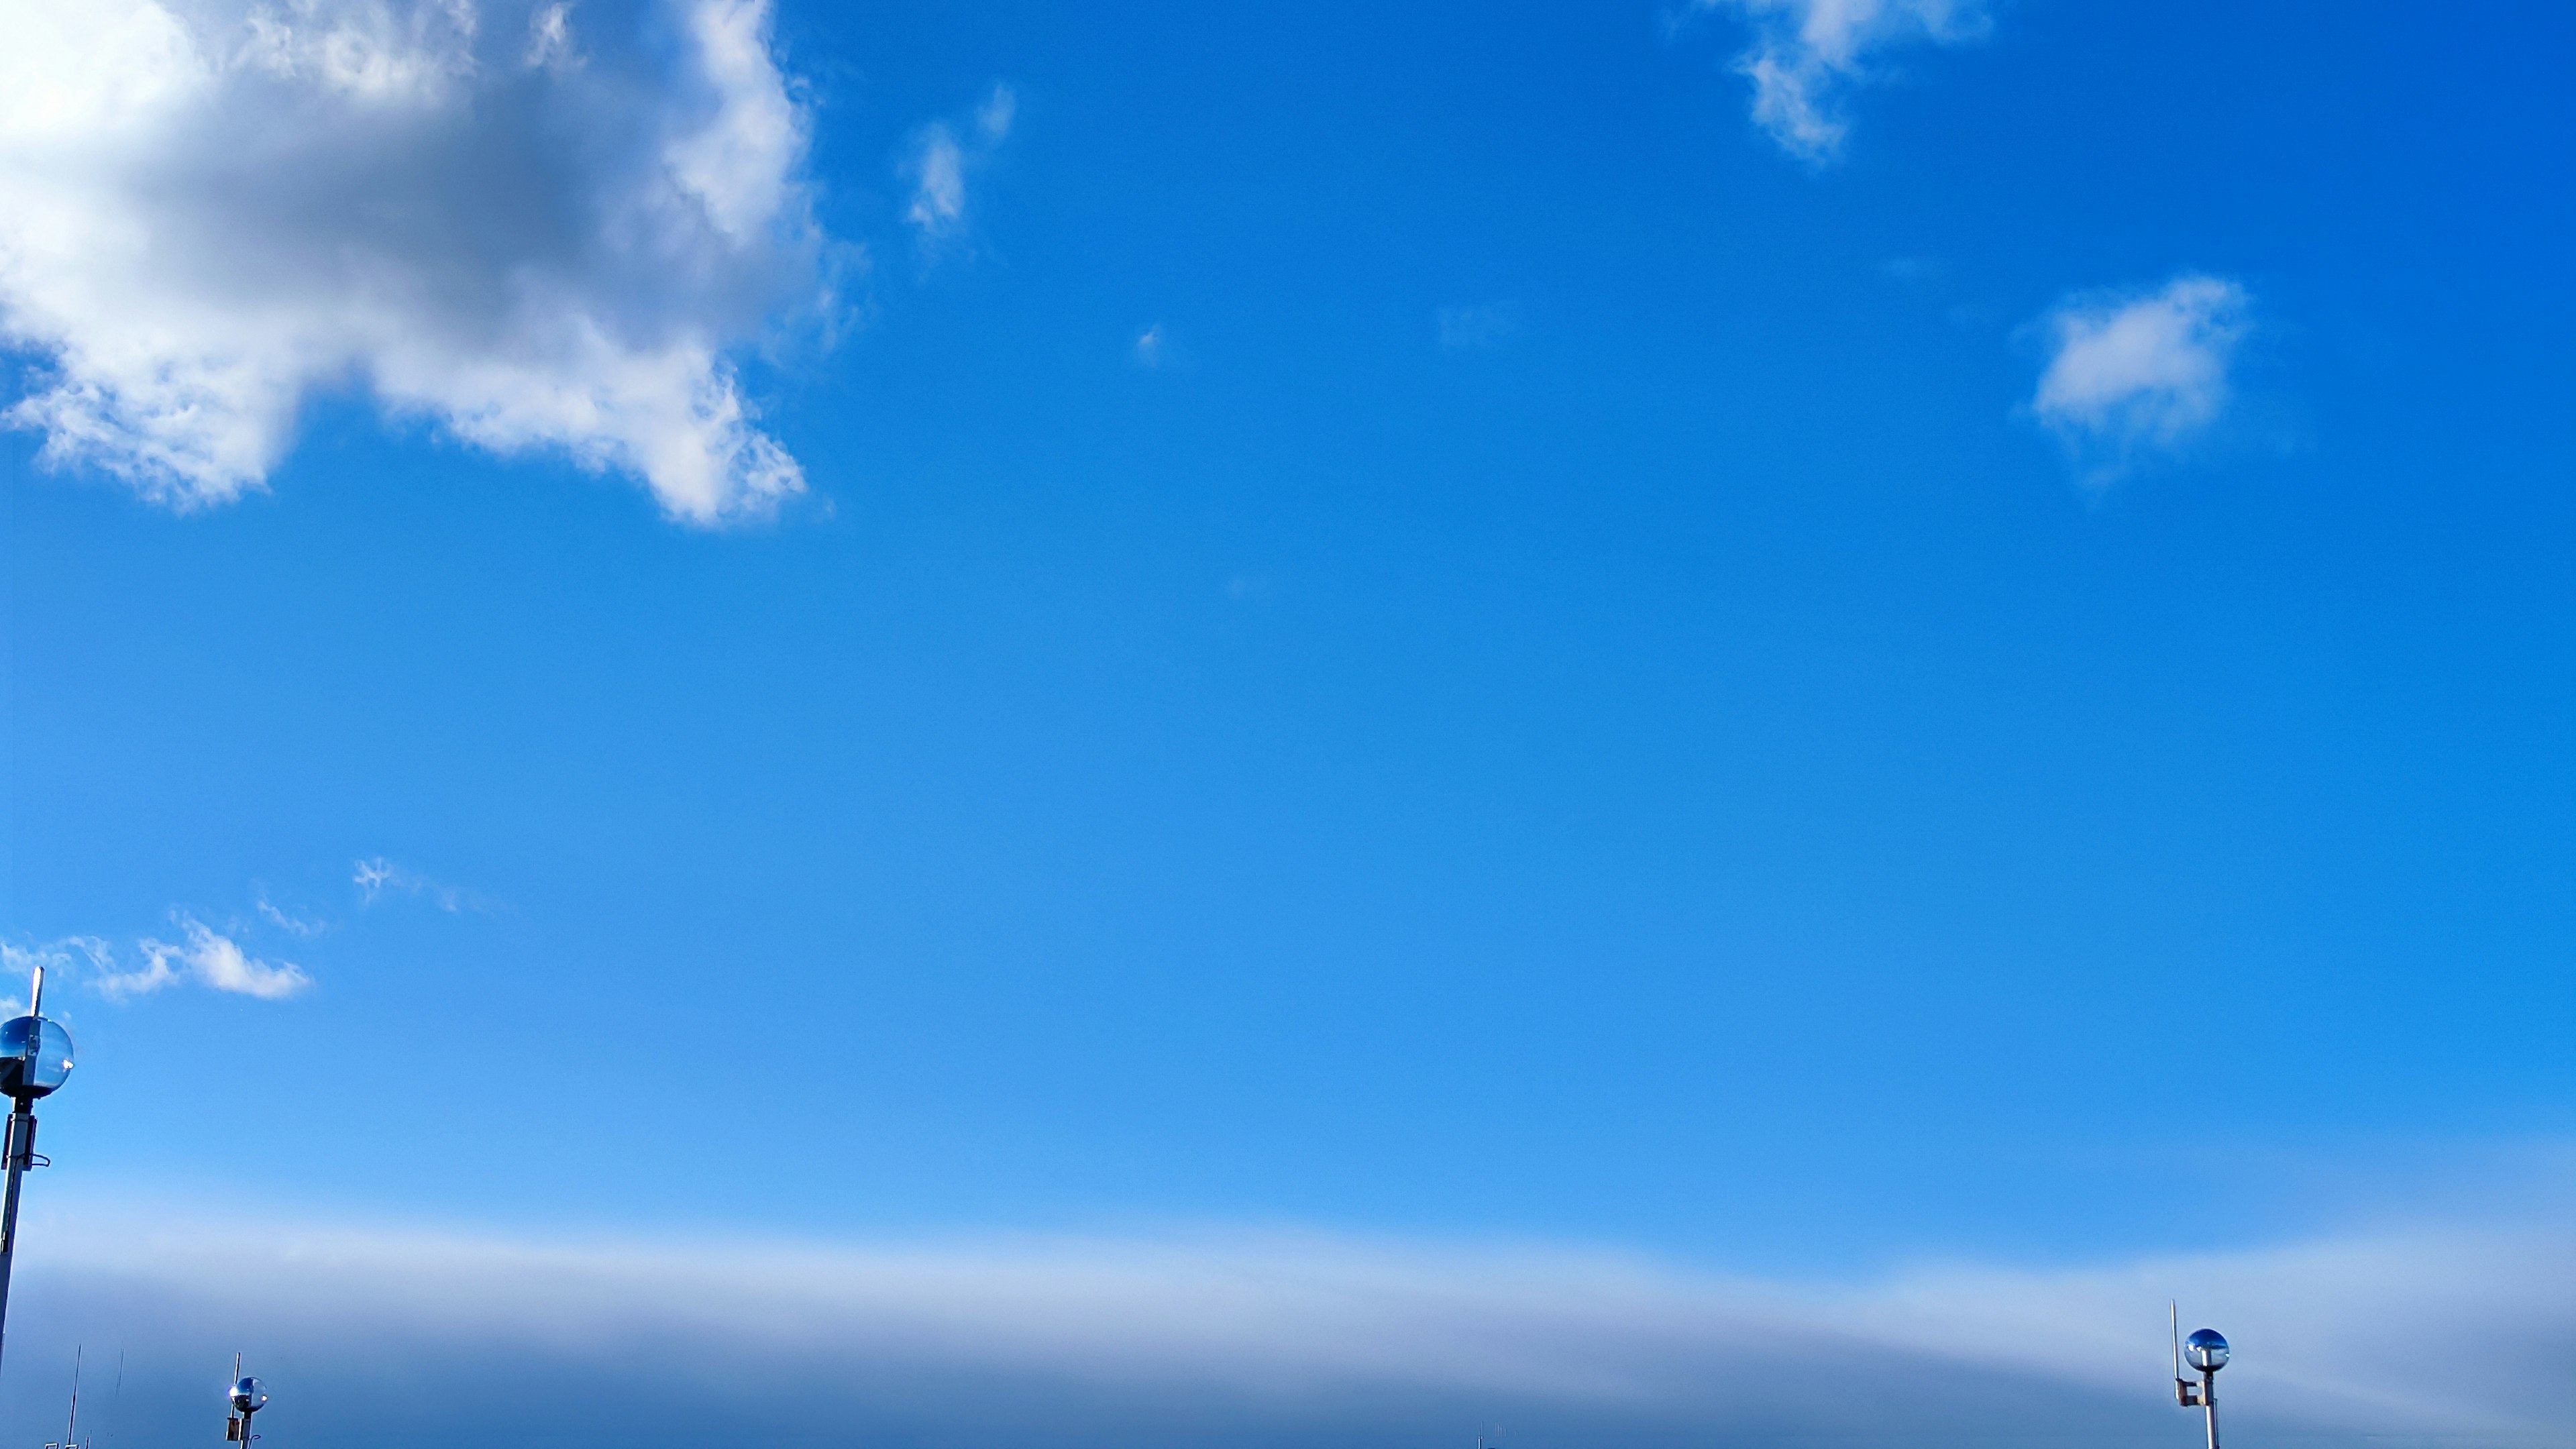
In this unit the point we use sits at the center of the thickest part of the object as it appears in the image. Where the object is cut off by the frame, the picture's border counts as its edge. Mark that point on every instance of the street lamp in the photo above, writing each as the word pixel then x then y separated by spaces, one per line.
pixel 247 1398
pixel 35 1058
pixel 2205 1351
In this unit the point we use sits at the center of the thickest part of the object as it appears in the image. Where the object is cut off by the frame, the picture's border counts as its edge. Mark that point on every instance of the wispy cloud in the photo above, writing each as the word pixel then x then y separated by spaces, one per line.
pixel 377 878
pixel 1283 1337
pixel 1478 326
pixel 550 43
pixel 86 957
pixel 2133 373
pixel 939 160
pixel 291 924
pixel 210 959
pixel 938 172
pixel 203 956
pixel 541 227
pixel 1153 347
pixel 1805 53
pixel 993 118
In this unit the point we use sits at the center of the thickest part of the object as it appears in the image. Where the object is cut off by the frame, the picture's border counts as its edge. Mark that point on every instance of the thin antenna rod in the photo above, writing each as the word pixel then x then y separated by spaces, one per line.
pixel 36 994
pixel 118 1397
pixel 2173 1311
pixel 71 1427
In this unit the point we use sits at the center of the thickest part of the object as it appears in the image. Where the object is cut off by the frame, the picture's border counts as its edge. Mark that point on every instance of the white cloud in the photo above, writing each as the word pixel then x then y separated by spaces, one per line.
pixel 378 877
pixel 2135 372
pixel 938 163
pixel 207 957
pixel 210 959
pixel 2460 1331
pixel 293 925
pixel 1805 52
pixel 1152 347
pixel 59 960
pixel 938 171
pixel 550 37
pixel 373 876
pixel 117 984
pixel 993 118
pixel 536 233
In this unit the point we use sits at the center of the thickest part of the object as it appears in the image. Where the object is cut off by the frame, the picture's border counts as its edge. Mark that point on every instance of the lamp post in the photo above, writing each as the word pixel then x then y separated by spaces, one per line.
pixel 2206 1351
pixel 246 1398
pixel 35 1058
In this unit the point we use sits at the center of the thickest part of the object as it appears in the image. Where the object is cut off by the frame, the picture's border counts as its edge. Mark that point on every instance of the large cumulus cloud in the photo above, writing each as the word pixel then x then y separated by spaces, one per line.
pixel 540 226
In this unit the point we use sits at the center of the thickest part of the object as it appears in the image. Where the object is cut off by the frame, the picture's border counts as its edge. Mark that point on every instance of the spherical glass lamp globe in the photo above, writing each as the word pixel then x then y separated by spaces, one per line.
pixel 35 1056
pixel 248 1396
pixel 2206 1349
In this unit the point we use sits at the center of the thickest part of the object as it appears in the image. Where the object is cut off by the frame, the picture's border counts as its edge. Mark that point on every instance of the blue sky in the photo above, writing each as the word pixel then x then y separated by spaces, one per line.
pixel 1789 645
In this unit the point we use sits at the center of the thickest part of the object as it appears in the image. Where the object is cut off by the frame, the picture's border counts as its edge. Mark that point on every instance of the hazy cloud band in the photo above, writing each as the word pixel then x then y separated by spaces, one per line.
pixel 1255 1337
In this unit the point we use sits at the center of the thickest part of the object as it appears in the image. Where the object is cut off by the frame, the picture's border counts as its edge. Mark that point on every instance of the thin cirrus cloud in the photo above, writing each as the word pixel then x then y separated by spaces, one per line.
pixel 292 924
pixel 216 958
pixel 1807 53
pixel 538 227
pixel 1282 1338
pixel 2137 374
pixel 378 878
pixel 1477 327
pixel 939 160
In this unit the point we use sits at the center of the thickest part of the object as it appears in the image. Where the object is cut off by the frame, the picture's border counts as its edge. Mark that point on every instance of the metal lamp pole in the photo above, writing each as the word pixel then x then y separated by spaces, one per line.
pixel 2205 1350
pixel 246 1398
pixel 35 1058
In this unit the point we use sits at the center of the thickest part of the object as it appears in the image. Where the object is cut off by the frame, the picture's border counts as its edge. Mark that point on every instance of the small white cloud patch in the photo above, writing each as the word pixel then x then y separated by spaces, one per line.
pixel 378 877
pixel 938 183
pixel 2135 373
pixel 550 37
pixel 1805 52
pixel 993 118
pixel 938 162
pixel 537 230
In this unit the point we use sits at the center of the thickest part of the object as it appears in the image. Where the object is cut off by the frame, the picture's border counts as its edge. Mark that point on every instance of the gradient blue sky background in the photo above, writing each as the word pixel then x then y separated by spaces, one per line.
pixel 1405 627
